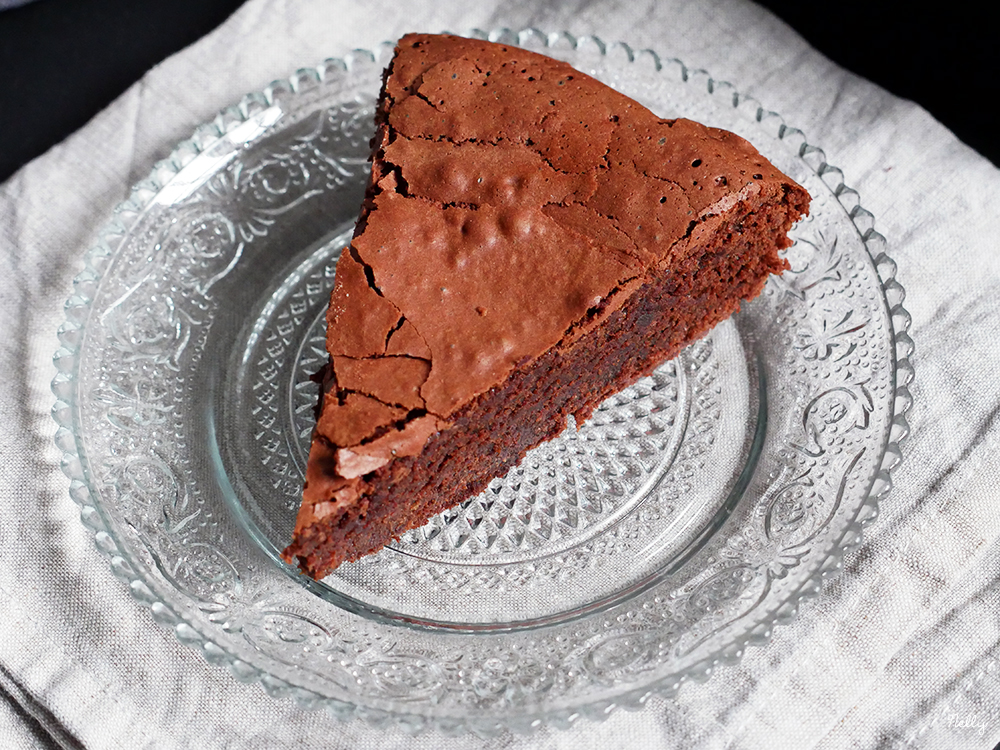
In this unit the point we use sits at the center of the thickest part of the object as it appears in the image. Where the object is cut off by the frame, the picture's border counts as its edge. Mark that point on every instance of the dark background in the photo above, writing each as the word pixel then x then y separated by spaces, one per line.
pixel 61 61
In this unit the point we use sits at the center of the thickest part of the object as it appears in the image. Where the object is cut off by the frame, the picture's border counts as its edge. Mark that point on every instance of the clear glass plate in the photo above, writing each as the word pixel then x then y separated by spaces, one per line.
pixel 690 514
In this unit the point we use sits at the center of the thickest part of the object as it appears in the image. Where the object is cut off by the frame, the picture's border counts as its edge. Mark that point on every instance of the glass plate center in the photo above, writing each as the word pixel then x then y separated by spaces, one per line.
pixel 581 521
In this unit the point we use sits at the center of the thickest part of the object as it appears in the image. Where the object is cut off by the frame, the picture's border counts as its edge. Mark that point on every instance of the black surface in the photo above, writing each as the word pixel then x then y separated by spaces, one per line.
pixel 944 56
pixel 61 61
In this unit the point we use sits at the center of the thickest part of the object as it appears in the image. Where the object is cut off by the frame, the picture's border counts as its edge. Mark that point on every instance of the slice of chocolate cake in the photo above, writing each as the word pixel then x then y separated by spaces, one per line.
pixel 531 242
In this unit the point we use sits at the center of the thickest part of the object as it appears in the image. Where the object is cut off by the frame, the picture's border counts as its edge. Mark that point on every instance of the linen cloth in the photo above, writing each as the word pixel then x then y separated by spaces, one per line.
pixel 901 650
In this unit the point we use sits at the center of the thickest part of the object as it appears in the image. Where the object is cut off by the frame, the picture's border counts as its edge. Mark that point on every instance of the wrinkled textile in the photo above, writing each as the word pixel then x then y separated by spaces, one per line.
pixel 901 650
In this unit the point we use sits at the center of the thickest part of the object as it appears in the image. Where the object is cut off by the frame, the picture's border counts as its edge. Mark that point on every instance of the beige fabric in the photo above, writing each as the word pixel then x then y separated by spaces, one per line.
pixel 900 651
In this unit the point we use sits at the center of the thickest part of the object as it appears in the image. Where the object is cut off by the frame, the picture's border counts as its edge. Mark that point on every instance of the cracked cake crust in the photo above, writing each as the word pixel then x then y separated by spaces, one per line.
pixel 518 210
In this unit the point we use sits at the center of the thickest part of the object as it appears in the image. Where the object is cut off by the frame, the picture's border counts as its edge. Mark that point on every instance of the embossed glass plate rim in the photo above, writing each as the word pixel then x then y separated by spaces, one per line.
pixel 65 411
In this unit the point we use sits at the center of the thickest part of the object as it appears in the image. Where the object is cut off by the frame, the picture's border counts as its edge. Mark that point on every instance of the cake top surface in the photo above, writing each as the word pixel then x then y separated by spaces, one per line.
pixel 515 202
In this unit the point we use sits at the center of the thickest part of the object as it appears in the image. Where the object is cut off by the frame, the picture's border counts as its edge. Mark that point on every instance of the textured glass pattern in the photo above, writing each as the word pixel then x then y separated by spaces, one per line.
pixel 687 517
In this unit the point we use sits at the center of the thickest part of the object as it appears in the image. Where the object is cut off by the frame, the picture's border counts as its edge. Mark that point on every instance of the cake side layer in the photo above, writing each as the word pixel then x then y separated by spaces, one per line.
pixel 493 432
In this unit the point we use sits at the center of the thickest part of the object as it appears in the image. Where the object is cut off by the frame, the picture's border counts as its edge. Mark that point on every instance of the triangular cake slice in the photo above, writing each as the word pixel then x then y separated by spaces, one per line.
pixel 531 242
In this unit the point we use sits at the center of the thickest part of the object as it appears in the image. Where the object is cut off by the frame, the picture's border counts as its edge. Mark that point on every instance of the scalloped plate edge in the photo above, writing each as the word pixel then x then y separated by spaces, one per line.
pixel 77 308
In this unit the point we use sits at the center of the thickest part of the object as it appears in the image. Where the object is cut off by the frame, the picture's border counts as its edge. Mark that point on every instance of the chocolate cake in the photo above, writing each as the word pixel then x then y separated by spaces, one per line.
pixel 531 242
